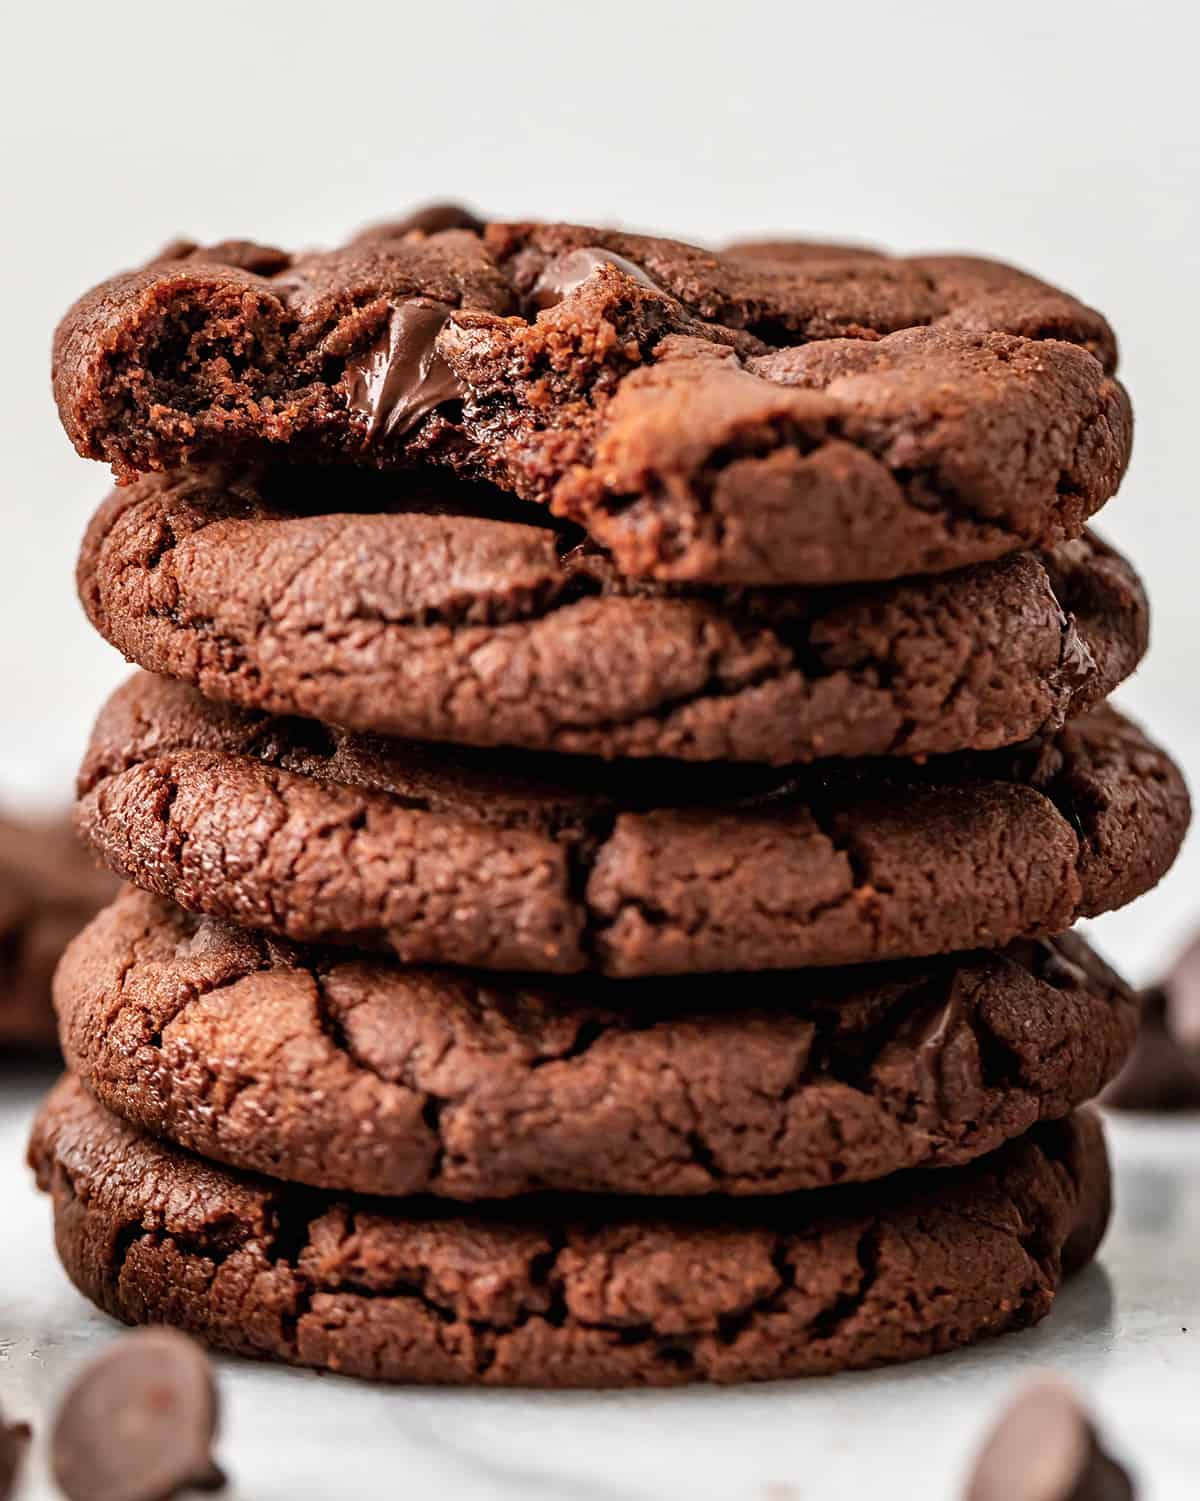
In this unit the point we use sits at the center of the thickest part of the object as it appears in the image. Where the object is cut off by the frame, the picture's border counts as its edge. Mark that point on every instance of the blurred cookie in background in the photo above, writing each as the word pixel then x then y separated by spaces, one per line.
pixel 1163 1072
pixel 49 888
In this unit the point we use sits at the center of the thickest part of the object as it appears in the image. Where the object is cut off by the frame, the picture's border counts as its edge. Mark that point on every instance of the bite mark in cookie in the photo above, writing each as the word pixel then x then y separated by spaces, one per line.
pixel 707 416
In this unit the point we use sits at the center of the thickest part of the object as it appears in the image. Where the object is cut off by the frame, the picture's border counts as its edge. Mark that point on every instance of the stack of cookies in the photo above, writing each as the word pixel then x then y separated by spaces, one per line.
pixel 620 743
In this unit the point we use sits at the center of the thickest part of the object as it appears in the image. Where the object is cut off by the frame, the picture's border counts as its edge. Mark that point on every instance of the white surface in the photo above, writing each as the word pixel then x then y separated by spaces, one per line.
pixel 1127 1332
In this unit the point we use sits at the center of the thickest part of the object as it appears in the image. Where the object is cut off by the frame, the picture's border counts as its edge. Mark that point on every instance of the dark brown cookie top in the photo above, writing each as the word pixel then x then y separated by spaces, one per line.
pixel 49 888
pixel 982 294
pixel 725 417
pixel 565 1291
pixel 507 860
pixel 437 610
pixel 354 1073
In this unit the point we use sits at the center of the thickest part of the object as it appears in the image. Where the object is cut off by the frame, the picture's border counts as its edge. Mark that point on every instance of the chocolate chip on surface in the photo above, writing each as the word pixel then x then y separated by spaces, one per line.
pixel 1045 1448
pixel 138 1422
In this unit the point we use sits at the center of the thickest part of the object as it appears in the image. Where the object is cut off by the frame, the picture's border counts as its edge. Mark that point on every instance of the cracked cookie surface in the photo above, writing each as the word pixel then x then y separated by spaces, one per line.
pixel 506 860
pixel 437 610
pixel 566 1291
pixel 353 1073
pixel 49 888
pixel 730 417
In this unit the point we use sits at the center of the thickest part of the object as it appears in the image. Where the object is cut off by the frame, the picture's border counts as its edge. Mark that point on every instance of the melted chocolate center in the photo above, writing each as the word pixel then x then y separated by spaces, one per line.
pixel 1076 664
pixel 402 377
pixel 931 1039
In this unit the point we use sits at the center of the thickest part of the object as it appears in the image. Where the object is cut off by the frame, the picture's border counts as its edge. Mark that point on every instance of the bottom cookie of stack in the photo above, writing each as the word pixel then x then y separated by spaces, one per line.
pixel 569 1291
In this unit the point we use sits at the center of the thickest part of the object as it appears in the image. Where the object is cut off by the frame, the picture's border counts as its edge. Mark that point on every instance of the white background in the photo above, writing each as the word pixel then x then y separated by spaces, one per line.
pixel 1063 136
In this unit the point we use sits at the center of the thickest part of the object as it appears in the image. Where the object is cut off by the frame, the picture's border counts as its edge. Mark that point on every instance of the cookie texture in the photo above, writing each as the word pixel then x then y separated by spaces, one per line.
pixel 510 861
pixel 355 1073
pixel 725 417
pixel 49 888
pixel 568 1292
pixel 448 612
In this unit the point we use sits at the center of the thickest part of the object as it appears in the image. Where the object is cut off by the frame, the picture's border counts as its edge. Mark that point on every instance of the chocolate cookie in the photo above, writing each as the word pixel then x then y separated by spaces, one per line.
pixel 730 418
pixel 49 888
pixel 1164 1070
pixel 507 860
pixel 562 1291
pixel 354 1073
pixel 448 612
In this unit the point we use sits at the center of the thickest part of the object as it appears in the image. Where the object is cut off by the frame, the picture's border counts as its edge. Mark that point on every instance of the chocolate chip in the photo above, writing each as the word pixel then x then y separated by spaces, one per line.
pixel 567 272
pixel 138 1422
pixel 402 377
pixel 14 1438
pixel 1077 663
pixel 1045 1448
